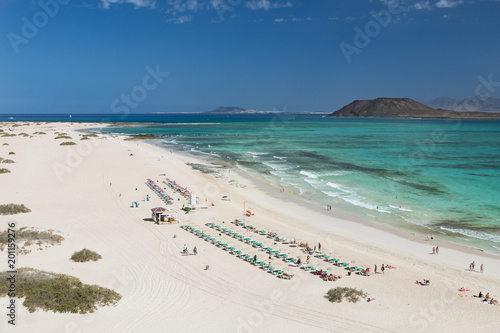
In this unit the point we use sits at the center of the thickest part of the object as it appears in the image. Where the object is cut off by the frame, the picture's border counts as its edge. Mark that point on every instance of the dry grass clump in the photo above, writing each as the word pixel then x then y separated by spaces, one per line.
pixel 24 134
pixel 5 144
pixel 6 160
pixel 351 294
pixel 57 292
pixel 63 137
pixel 85 255
pixel 68 143
pixel 11 209
pixel 27 237
pixel 6 135
pixel 12 153
pixel 3 170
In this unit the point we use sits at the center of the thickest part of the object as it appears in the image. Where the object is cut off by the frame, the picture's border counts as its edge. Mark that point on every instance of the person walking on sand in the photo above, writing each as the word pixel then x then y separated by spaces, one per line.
pixel 473 266
pixel 482 268
pixel 319 246
pixel 433 250
pixel 437 249
pixel 382 269
pixel 195 251
pixel 375 269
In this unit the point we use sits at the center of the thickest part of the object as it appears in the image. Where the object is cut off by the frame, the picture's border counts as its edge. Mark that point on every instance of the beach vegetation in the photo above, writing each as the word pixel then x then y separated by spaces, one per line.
pixel 12 153
pixel 11 209
pixel 5 144
pixel 85 255
pixel 25 237
pixel 68 143
pixel 6 160
pixel 6 135
pixel 91 135
pixel 24 134
pixel 3 170
pixel 63 137
pixel 57 292
pixel 351 294
pixel 39 133
pixel 84 138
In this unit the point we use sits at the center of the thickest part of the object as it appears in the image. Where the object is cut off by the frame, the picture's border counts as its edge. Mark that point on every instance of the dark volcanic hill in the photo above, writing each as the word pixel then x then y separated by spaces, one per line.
pixel 401 108
pixel 228 110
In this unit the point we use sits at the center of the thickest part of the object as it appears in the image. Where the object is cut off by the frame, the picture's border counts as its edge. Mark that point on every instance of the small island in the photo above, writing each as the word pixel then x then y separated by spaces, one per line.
pixel 404 108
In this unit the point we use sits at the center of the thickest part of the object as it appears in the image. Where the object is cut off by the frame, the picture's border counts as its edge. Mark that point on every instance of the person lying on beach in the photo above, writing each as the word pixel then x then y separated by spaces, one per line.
pixel 389 266
pixel 480 295
pixel 487 297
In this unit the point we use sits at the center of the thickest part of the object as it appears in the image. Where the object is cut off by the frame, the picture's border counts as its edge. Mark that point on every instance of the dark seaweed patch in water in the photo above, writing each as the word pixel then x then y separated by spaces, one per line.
pixel 465 223
pixel 427 188
pixel 479 175
pixel 351 166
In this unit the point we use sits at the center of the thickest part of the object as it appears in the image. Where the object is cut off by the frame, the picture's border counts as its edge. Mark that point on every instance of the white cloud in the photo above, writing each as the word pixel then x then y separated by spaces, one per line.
pixel 137 3
pixel 266 4
pixel 422 5
pixel 181 6
pixel 279 20
pixel 181 19
pixel 448 3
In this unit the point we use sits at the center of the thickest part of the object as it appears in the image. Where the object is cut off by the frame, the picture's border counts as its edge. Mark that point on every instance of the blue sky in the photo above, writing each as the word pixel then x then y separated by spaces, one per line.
pixel 311 55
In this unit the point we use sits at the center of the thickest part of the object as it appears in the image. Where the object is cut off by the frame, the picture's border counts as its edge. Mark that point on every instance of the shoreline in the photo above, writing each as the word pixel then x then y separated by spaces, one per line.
pixel 272 190
pixel 162 288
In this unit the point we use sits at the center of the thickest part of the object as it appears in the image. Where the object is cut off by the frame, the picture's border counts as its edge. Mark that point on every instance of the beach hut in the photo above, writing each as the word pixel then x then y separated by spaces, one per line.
pixel 155 213
pixel 167 216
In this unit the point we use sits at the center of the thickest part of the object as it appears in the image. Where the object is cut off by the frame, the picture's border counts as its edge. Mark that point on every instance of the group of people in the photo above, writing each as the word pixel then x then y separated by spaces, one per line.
pixel 435 250
pixel 423 283
pixel 488 299
pixel 185 250
pixel 472 267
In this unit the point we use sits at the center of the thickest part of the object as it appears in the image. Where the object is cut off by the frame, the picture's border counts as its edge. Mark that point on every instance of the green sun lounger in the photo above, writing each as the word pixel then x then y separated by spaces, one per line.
pixel 275 252
pixel 283 255
pixel 310 268
pixel 244 256
pixel 291 259
pixel 267 249
pixel 261 263
pixel 344 264
pixel 278 271
pixel 236 252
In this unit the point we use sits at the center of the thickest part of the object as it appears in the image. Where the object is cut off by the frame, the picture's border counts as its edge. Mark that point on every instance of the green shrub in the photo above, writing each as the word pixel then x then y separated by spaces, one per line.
pixel 28 236
pixel 5 144
pixel 84 138
pixel 11 209
pixel 24 134
pixel 91 135
pixel 351 294
pixel 12 153
pixel 68 143
pixel 5 160
pixel 57 292
pixel 85 255
pixel 3 170
pixel 63 137
pixel 6 135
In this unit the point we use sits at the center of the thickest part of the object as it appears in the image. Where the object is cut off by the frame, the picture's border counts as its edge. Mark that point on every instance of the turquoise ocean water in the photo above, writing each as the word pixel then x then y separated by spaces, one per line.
pixel 428 176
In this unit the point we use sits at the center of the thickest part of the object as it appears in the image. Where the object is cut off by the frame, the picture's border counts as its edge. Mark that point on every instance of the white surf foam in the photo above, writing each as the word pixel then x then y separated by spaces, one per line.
pixel 474 234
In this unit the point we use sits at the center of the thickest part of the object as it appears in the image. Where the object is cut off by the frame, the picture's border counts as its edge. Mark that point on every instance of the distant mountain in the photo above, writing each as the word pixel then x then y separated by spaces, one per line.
pixel 470 104
pixel 401 108
pixel 444 102
pixel 228 110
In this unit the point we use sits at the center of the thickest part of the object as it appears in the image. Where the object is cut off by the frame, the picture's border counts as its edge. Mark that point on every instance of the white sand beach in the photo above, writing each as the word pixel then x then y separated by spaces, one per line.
pixel 85 192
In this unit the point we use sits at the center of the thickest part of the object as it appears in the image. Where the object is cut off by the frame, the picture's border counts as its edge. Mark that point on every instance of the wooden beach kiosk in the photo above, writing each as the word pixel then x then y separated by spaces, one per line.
pixel 164 215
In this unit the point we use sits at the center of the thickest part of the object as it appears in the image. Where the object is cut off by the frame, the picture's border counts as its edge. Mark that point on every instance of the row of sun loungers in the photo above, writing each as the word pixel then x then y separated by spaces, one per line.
pixel 159 191
pixel 176 187
pixel 247 257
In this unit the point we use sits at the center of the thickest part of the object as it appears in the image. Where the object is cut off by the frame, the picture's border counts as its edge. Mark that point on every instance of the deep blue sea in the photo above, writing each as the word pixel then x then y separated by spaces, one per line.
pixel 428 176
